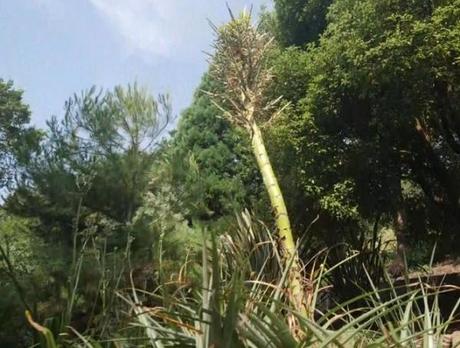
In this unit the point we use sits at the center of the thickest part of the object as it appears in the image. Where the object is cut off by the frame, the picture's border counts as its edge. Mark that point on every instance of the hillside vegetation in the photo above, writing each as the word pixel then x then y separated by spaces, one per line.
pixel 301 200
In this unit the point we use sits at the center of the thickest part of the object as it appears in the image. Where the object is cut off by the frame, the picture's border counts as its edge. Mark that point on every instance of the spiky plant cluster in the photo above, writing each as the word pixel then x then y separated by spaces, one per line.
pixel 240 64
pixel 236 307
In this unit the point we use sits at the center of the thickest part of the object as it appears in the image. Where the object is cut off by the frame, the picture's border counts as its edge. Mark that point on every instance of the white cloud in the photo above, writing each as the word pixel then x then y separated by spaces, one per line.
pixel 144 24
pixel 165 28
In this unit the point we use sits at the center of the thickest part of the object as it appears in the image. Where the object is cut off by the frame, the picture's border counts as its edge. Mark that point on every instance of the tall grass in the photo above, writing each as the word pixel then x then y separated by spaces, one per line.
pixel 239 306
pixel 242 301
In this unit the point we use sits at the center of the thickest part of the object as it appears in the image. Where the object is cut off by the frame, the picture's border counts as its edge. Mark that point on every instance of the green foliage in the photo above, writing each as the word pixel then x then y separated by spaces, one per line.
pixel 23 248
pixel 291 74
pixel 81 191
pixel 209 164
pixel 95 160
pixel 17 140
pixel 380 108
pixel 23 265
pixel 161 230
pixel 301 21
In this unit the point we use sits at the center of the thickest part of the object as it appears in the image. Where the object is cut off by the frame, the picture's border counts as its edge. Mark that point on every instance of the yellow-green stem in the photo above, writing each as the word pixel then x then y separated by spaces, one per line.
pixel 281 216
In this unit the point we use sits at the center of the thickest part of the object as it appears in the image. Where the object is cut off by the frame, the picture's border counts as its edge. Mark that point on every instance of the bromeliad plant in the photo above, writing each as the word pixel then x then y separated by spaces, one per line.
pixel 240 65
pixel 240 304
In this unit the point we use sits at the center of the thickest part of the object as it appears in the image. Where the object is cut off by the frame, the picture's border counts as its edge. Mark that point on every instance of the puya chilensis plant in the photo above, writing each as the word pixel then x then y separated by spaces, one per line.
pixel 238 306
pixel 239 64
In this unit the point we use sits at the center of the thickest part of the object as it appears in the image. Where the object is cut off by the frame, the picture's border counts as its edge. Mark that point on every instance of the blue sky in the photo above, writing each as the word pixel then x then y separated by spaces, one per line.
pixel 54 48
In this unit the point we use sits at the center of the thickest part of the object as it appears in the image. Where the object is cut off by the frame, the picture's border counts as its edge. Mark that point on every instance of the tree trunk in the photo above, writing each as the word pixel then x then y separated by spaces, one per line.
pixel 282 219
pixel 398 266
pixel 399 225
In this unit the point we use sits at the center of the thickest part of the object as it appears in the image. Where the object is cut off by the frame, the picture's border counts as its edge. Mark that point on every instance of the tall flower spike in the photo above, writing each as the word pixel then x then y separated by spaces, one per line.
pixel 240 64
